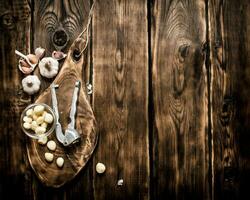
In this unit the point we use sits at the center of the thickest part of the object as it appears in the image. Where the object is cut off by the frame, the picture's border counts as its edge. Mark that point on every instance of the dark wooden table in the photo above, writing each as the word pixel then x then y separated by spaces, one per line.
pixel 171 96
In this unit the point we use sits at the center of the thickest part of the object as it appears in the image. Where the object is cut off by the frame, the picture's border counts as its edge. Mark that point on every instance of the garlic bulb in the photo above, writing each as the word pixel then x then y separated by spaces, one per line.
pixel 31 84
pixel 40 52
pixel 48 67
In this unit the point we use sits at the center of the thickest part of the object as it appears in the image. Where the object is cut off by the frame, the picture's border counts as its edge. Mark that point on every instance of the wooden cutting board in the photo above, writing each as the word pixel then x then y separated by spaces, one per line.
pixel 76 156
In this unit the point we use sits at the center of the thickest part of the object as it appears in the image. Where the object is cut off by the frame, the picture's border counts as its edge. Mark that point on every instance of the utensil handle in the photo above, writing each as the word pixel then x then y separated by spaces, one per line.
pixel 73 105
pixel 20 54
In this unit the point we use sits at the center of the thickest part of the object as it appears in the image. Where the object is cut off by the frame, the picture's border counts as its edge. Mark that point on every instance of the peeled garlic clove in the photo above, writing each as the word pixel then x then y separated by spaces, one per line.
pixel 59 162
pixel 51 145
pixel 34 117
pixel 100 168
pixel 27 119
pixel 40 130
pixel 27 125
pixel 58 55
pixel 39 120
pixel 49 157
pixel 38 110
pixel 40 52
pixel 44 113
pixel 43 140
pixel 48 118
pixel 29 112
pixel 44 124
pixel 34 125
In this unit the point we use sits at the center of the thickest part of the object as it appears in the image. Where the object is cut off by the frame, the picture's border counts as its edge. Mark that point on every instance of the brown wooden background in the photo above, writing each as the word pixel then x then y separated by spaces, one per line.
pixel 171 87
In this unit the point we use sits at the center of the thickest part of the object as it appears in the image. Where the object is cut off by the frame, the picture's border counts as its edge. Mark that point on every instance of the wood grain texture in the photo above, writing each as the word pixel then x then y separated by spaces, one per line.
pixel 15 34
pixel 120 98
pixel 75 157
pixel 230 50
pixel 180 138
pixel 56 25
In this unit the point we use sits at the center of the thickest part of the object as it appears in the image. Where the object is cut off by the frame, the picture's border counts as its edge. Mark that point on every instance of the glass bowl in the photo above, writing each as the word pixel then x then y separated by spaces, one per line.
pixel 50 128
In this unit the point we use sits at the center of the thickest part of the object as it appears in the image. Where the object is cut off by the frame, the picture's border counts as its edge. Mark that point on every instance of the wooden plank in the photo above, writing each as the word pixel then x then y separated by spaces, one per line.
pixel 180 138
pixel 120 98
pixel 70 17
pixel 230 61
pixel 15 176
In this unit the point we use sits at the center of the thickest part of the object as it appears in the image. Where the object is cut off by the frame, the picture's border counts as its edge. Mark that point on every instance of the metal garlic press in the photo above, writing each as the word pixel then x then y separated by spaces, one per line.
pixel 71 135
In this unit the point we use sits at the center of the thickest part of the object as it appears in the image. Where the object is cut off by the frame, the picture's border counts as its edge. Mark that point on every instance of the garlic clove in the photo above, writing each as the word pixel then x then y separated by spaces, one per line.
pixel 29 112
pixel 59 162
pixel 40 130
pixel 34 116
pixel 100 168
pixel 27 125
pixel 43 140
pixel 34 125
pixel 44 124
pixel 33 59
pixel 58 55
pixel 40 52
pixel 49 157
pixel 38 110
pixel 51 145
pixel 48 118
pixel 27 119
pixel 30 59
pixel 39 120
pixel 24 67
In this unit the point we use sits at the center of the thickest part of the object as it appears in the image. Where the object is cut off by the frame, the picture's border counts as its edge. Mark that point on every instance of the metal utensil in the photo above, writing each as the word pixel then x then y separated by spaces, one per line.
pixel 71 135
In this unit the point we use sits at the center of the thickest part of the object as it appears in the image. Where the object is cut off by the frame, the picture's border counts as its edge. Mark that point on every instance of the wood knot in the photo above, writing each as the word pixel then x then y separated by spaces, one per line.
pixel 226 112
pixel 179 68
pixel 60 38
pixel 7 21
pixel 230 174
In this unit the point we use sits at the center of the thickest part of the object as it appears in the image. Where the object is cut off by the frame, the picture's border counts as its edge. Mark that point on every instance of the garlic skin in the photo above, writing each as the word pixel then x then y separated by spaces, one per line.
pixel 40 52
pixel 48 67
pixel 58 55
pixel 31 84
pixel 24 67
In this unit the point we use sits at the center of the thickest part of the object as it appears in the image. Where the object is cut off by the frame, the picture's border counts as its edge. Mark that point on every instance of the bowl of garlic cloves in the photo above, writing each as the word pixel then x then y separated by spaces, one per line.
pixel 38 120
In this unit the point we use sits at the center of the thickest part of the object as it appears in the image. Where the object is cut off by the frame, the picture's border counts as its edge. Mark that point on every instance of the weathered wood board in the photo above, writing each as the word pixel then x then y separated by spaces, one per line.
pixel 15 34
pixel 230 91
pixel 180 137
pixel 120 98
pixel 170 94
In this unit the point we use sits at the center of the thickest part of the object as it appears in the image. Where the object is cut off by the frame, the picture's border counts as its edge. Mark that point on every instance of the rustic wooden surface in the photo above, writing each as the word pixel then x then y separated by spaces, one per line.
pixel 15 34
pixel 180 150
pixel 230 50
pixel 170 95
pixel 120 99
